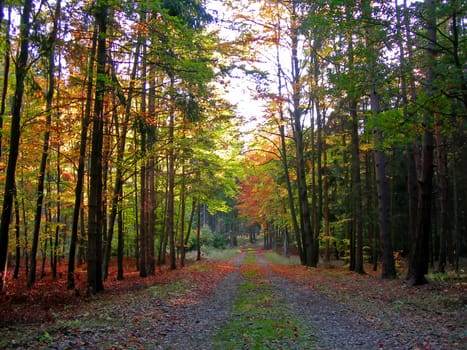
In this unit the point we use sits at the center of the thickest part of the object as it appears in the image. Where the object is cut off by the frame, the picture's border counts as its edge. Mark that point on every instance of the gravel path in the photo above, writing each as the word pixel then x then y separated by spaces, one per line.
pixel 155 323
pixel 335 325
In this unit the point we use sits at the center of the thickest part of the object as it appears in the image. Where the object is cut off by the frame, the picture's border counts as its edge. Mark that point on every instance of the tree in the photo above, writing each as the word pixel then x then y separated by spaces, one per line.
pixel 49 45
pixel 21 69
pixel 418 264
pixel 382 184
pixel 95 219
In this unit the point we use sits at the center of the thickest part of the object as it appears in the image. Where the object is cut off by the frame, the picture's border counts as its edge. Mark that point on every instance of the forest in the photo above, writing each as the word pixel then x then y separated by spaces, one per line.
pixel 120 140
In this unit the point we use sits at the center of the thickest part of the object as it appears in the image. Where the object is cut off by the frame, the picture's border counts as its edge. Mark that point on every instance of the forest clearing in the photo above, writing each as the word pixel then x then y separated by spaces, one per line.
pixel 249 299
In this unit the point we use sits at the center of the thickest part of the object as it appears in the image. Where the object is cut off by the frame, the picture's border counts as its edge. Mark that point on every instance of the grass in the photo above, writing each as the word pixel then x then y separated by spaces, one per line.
pixel 278 259
pixel 173 288
pixel 220 254
pixel 260 319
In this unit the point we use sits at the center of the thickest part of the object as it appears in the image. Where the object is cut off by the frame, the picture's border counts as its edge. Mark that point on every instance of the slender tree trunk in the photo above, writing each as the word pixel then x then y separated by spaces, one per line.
pixel 357 234
pixel 444 231
pixel 58 216
pixel 283 149
pixel 151 168
pixel 17 238
pixel 171 185
pixel 182 219
pixel 81 166
pixel 118 186
pixel 305 215
pixel 6 72
pixel 198 232
pixel 15 131
pixel 327 236
pixel 121 242
pixel 26 236
pixel 96 215
pixel 190 222
pixel 410 161
pixel 418 264
pixel 143 222
pixel 382 186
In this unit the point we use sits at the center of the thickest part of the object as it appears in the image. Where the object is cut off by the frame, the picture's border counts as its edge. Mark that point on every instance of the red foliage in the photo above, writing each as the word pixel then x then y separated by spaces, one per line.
pixel 38 304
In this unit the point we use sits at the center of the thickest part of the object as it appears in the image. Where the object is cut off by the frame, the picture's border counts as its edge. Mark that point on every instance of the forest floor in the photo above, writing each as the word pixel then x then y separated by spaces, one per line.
pixel 255 299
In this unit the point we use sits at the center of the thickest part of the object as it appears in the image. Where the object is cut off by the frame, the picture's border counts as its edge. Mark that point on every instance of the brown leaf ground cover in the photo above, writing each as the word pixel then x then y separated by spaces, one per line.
pixel 48 296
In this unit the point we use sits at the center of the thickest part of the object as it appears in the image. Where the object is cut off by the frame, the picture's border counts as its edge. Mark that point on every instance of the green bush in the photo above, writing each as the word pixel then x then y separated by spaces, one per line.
pixel 209 239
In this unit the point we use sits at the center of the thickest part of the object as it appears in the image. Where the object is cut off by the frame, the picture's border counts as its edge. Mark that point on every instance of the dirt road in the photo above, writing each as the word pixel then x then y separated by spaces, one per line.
pixel 250 307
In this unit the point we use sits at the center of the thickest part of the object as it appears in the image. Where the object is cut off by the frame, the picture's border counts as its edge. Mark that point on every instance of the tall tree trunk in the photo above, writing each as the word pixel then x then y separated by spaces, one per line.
pixel 357 229
pixel 15 131
pixel 382 187
pixel 410 152
pixel 327 236
pixel 96 215
pixel 6 72
pixel 305 215
pixel 198 231
pixel 190 222
pixel 81 165
pixel 182 219
pixel 151 168
pixel 121 242
pixel 143 222
pixel 118 186
pixel 418 264
pixel 45 146
pixel 17 238
pixel 357 234
pixel 283 150
pixel 58 215
pixel 171 187
pixel 444 231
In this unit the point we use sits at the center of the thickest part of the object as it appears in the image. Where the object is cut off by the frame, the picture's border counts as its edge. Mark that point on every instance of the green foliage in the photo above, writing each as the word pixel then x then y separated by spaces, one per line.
pixel 210 239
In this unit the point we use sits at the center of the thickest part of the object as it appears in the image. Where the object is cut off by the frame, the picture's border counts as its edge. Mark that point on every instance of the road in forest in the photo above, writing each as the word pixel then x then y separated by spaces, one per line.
pixel 164 317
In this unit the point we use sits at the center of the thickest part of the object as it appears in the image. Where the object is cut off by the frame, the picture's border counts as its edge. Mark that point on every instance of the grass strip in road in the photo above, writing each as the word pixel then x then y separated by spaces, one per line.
pixel 260 318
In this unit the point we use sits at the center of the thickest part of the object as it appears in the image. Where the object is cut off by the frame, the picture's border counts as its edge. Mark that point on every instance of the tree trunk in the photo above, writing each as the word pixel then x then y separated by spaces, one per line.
pixel 143 222
pixel 198 232
pixel 357 229
pixel 39 201
pixel 96 215
pixel 121 242
pixel 305 215
pixel 81 165
pixel 6 72
pixel 283 150
pixel 418 264
pixel 58 215
pixel 17 238
pixel 118 186
pixel 15 130
pixel 327 236
pixel 171 187
pixel 388 269
pixel 182 219
pixel 444 230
